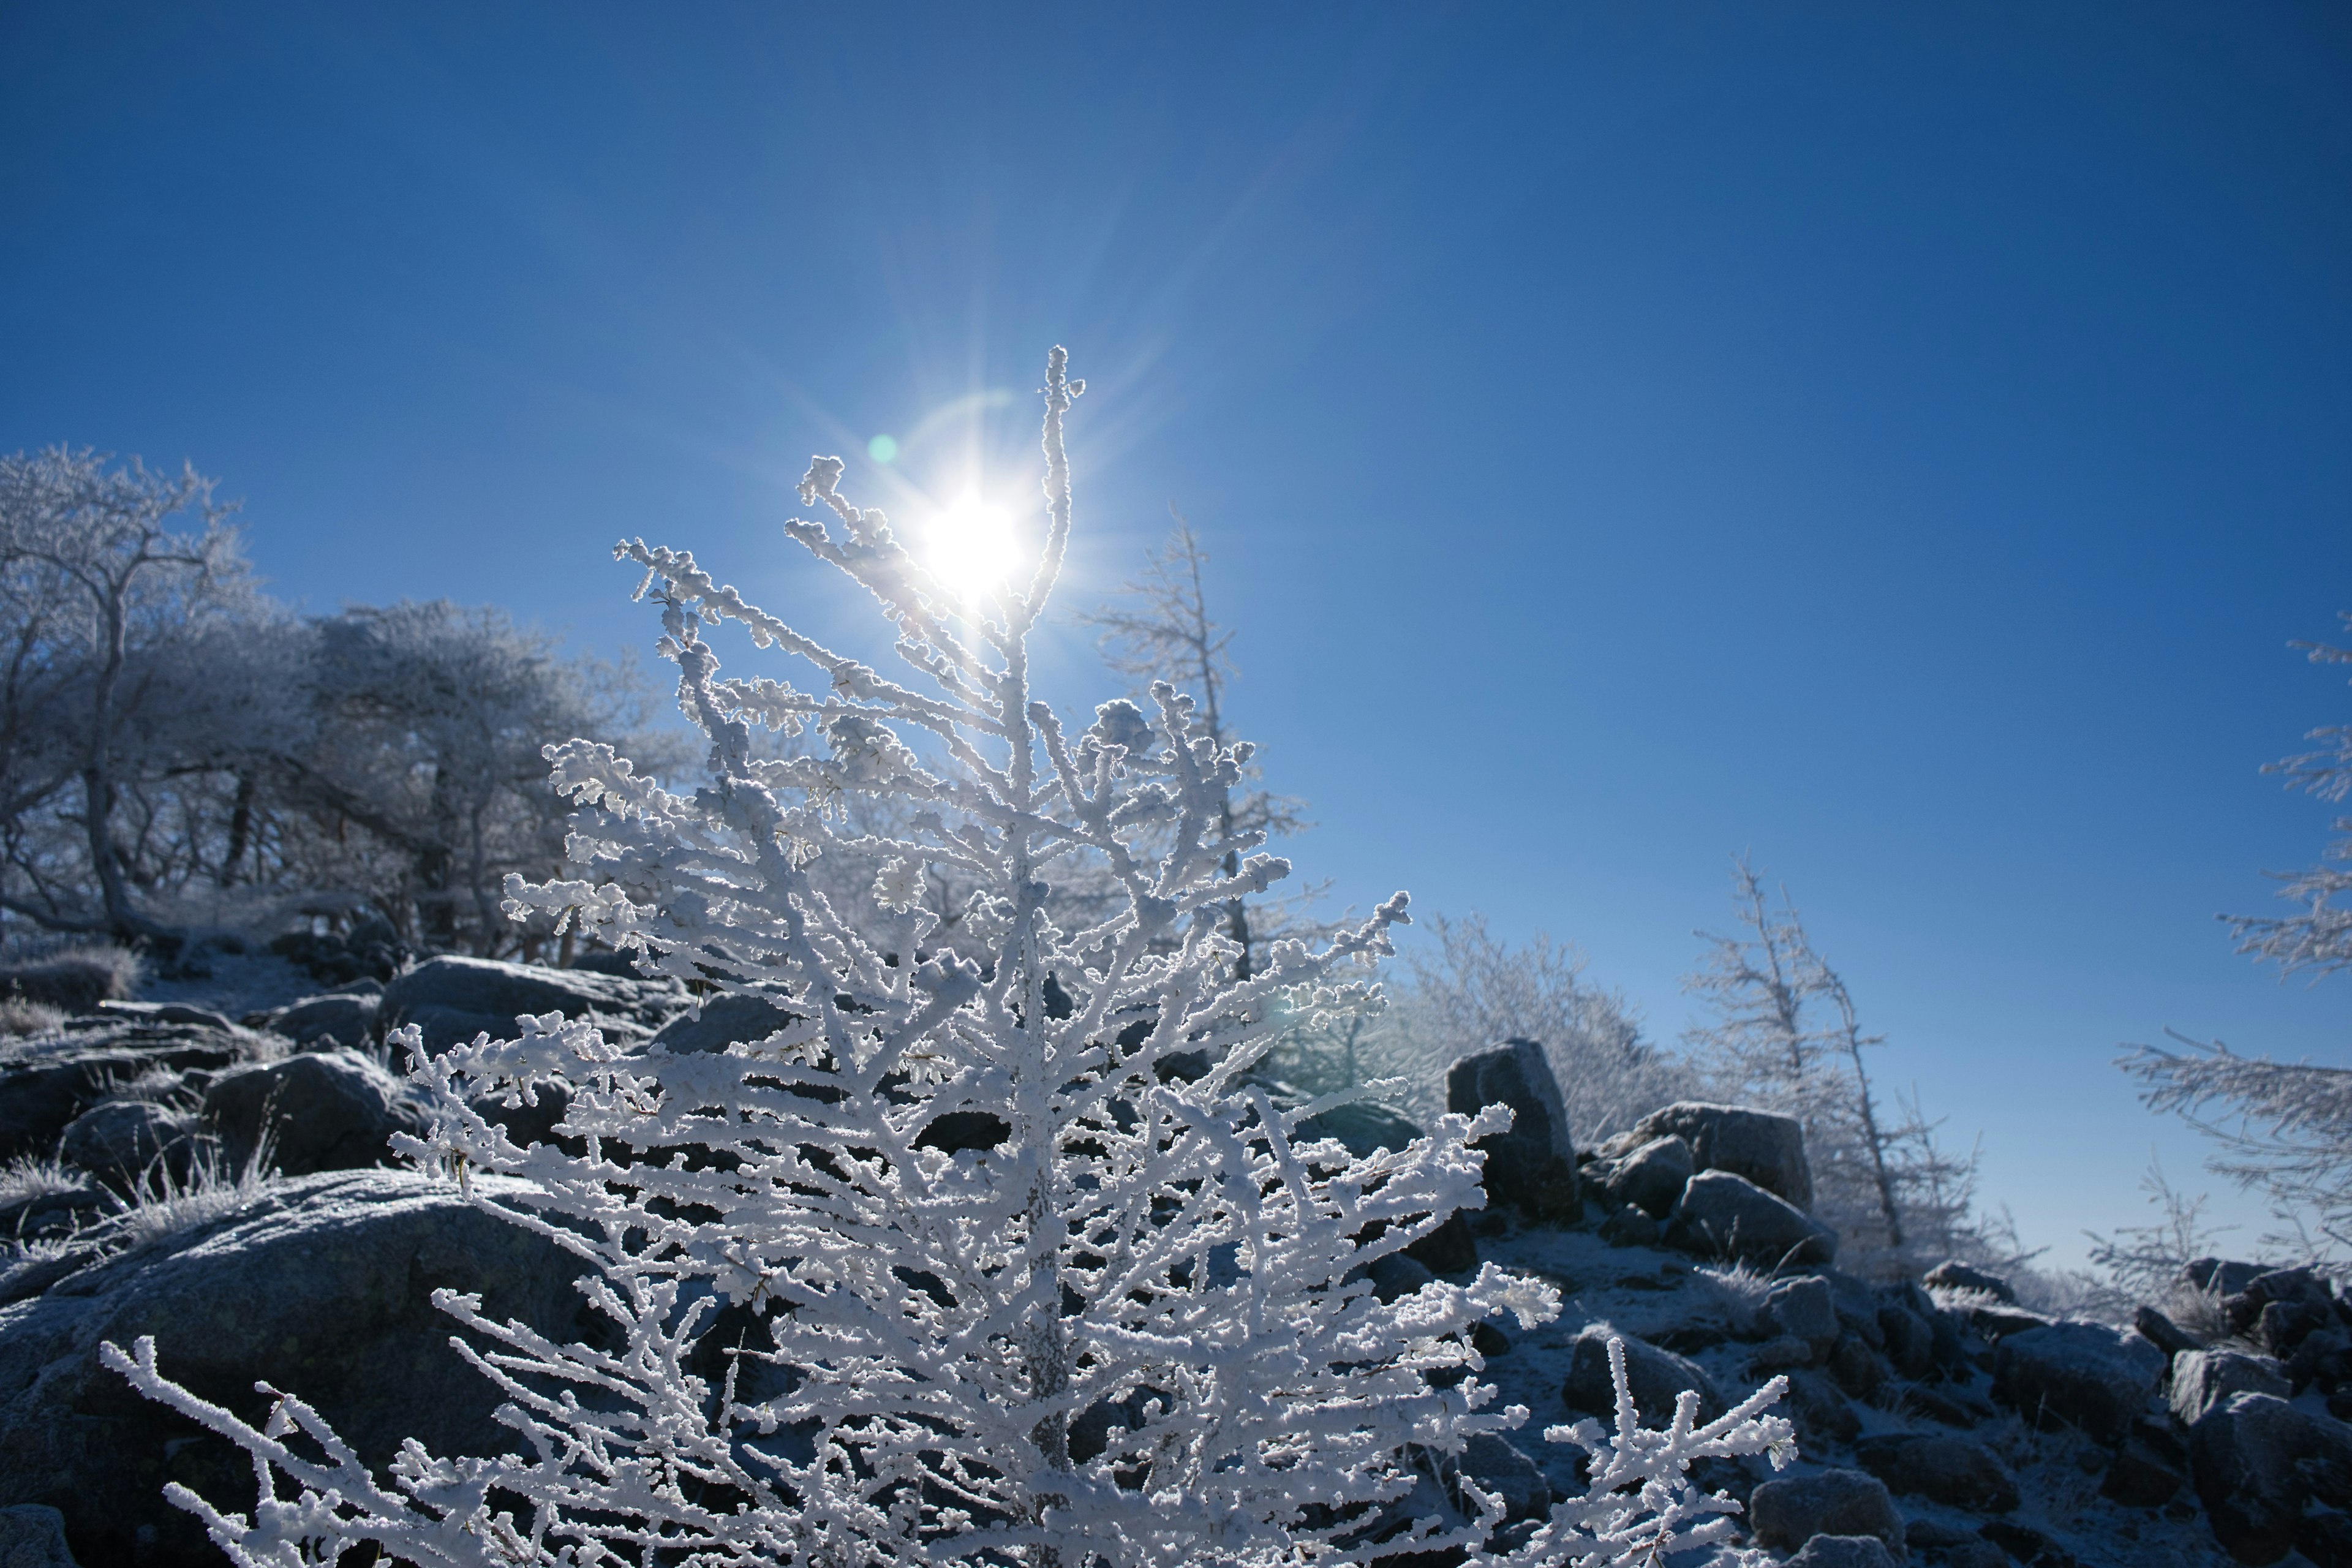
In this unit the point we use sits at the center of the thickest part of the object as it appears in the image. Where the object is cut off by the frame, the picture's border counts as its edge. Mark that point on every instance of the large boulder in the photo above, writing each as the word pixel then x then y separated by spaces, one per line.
pixel 339 1018
pixel 1790 1513
pixel 1723 1215
pixel 451 999
pixel 325 1110
pixel 321 1289
pixel 43 1089
pixel 121 1139
pixel 2085 1376
pixel 1656 1378
pixel 1533 1165
pixel 2220 1275
pixel 2202 1379
pixel 1767 1149
pixel 721 1022
pixel 1364 1128
pixel 2258 1463
pixel 1956 1471
pixel 2279 1308
pixel 1650 1176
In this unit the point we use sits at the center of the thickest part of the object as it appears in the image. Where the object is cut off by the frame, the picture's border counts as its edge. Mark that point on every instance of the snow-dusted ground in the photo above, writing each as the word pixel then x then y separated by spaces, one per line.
pixel 1663 1297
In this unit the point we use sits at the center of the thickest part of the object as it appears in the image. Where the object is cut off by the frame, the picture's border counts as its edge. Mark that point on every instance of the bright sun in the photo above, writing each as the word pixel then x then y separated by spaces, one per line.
pixel 971 548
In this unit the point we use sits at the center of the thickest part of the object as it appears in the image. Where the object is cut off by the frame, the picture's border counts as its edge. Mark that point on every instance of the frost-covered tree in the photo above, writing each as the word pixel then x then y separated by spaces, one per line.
pixel 1468 989
pixel 2283 1128
pixel 1163 631
pixel 956 1261
pixel 1786 1035
pixel 94 582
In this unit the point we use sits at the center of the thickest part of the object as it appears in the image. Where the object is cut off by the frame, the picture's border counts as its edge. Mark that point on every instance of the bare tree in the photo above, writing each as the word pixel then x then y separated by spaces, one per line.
pixel 1168 634
pixel 1770 1044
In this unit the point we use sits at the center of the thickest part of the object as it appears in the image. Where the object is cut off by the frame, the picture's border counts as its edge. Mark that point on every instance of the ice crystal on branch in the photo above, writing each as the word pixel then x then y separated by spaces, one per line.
pixel 981 1254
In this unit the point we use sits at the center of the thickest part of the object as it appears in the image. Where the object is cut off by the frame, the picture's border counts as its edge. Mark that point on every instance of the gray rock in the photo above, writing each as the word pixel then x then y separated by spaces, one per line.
pixel 2218 1277
pixel 71 982
pixel 723 1021
pixel 1724 1215
pixel 321 1289
pixel 325 1111
pixel 122 1138
pixel 2277 1310
pixel 1533 1165
pixel 1490 1462
pixel 1955 1275
pixel 1858 1369
pixel 1823 1414
pixel 1650 1177
pixel 1656 1378
pixel 1363 1129
pixel 42 1092
pixel 453 998
pixel 1394 1274
pixel 1790 1513
pixel 2203 1379
pixel 337 1020
pixel 1805 1309
pixel 1958 1472
pixel 1843 1552
pixel 33 1536
pixel 1910 1341
pixel 1976 1554
pixel 2086 1375
pixel 1630 1226
pixel 2162 1331
pixel 1767 1149
pixel 2258 1462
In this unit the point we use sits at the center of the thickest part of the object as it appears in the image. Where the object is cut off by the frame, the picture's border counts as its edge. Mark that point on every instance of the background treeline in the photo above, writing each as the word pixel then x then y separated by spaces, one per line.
pixel 182 757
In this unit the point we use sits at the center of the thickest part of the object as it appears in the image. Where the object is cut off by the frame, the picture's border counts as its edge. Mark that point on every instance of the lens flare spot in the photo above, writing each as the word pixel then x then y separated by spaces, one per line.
pixel 883 449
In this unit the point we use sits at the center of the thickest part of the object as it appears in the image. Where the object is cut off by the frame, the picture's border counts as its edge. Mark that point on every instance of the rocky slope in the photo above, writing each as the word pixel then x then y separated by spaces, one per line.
pixel 1940 1422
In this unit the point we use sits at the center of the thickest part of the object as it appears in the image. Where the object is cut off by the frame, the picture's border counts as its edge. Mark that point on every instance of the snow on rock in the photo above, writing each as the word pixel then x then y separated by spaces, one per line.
pixel 1767 1149
pixel 1533 1165
pixel 1723 1215
pixel 2086 1375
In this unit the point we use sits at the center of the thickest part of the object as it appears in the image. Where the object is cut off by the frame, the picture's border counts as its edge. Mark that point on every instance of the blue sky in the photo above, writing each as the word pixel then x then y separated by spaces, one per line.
pixel 1897 442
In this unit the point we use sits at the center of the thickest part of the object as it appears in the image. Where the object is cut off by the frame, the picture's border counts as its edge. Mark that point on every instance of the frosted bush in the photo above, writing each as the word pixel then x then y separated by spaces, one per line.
pixel 983 1254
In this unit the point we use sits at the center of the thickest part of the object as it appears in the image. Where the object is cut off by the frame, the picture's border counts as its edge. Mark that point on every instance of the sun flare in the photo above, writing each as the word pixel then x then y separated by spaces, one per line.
pixel 971 548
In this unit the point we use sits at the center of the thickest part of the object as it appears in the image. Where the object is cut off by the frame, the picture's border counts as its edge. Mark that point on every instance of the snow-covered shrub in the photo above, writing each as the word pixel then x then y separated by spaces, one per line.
pixel 980 1255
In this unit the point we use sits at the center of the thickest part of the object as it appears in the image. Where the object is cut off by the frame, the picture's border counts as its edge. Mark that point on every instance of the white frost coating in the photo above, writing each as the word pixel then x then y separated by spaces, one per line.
pixel 828 1340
